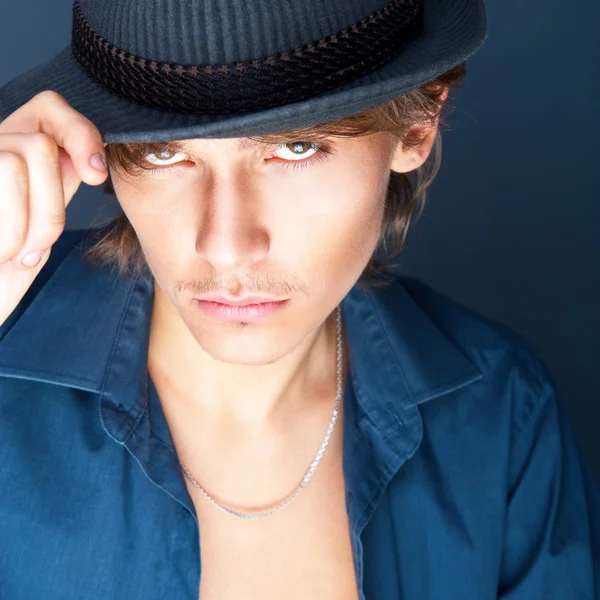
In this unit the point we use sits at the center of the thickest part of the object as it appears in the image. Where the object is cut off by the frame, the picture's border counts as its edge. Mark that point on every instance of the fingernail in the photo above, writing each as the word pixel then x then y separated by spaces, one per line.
pixel 98 162
pixel 32 259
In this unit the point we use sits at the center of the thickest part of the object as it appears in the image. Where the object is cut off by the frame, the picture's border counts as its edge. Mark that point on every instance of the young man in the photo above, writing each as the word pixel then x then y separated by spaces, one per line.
pixel 240 409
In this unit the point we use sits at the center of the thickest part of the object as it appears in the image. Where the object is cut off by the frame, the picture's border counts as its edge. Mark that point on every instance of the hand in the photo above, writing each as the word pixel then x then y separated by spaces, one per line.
pixel 47 149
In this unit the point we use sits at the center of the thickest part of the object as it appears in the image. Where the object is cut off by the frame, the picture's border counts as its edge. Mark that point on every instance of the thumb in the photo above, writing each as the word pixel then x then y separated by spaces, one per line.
pixel 70 178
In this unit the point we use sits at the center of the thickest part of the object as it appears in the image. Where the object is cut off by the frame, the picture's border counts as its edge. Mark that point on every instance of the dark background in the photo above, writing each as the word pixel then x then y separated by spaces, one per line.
pixel 512 223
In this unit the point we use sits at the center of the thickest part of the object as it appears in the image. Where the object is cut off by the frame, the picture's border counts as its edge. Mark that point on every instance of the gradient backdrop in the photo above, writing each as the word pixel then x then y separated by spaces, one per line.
pixel 512 224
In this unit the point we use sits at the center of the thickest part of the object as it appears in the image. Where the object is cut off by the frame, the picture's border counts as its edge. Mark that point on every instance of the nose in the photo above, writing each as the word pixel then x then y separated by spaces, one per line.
pixel 232 233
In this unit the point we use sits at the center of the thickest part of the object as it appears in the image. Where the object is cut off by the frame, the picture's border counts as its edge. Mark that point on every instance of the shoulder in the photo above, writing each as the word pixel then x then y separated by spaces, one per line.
pixel 473 332
pixel 510 363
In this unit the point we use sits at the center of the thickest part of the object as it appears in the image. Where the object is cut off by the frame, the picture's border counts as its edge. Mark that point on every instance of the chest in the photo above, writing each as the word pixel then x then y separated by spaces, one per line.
pixel 302 551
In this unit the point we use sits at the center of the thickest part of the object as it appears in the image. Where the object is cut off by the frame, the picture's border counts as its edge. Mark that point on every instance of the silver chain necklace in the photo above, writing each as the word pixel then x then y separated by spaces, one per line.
pixel 315 462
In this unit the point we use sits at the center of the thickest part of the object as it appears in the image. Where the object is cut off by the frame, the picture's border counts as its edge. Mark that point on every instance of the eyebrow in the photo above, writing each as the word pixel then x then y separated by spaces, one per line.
pixel 243 144
pixel 246 144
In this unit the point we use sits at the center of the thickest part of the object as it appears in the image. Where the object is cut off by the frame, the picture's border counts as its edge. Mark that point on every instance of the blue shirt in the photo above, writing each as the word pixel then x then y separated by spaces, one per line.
pixel 463 478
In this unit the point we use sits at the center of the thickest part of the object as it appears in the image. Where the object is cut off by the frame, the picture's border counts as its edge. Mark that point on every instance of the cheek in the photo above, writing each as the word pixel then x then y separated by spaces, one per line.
pixel 354 232
pixel 336 227
pixel 157 225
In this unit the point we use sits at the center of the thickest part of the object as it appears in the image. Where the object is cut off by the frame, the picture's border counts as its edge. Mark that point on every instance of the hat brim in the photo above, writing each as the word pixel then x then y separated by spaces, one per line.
pixel 453 30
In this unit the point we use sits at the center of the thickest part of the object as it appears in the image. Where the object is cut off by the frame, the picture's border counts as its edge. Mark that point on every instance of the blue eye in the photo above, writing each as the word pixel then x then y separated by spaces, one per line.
pixel 163 158
pixel 298 150
pixel 320 152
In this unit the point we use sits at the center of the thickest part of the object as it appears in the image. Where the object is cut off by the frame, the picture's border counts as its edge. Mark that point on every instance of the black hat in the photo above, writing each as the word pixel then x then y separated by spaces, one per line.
pixel 158 70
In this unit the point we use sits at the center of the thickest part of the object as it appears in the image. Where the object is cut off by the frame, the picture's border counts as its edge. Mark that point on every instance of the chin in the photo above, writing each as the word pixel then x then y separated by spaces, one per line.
pixel 243 344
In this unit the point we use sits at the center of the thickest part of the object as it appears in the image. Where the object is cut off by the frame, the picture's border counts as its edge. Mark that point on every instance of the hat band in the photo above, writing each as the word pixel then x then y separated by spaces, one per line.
pixel 246 86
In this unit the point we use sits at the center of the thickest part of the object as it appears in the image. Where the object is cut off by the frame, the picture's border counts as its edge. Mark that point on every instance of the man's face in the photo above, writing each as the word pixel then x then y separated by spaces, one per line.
pixel 288 221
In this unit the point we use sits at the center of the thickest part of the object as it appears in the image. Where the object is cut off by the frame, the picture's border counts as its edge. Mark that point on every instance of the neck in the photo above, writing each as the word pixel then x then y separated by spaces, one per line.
pixel 239 399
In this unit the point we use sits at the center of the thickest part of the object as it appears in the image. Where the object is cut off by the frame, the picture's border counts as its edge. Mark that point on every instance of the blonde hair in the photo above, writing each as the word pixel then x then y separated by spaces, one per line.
pixel 405 118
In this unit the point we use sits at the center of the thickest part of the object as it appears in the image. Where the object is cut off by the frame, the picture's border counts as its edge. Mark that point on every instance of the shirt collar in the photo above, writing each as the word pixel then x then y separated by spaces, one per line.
pixel 88 329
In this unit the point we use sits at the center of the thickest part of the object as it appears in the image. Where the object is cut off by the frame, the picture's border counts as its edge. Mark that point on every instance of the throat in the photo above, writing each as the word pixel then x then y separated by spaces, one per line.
pixel 243 401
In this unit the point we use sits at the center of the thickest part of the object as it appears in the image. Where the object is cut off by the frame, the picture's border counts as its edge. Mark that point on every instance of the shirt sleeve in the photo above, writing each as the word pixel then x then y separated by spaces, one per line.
pixel 551 548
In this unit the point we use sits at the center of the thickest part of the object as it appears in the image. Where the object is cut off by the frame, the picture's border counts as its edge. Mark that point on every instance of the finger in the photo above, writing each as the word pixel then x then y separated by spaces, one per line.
pixel 13 204
pixel 70 178
pixel 46 198
pixel 48 112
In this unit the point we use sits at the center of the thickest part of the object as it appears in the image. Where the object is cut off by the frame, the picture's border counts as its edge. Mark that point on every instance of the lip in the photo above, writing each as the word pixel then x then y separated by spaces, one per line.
pixel 248 313
pixel 239 301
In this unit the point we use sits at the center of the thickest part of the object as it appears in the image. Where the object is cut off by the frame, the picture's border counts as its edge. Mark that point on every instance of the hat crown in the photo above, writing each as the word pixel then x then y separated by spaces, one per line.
pixel 220 31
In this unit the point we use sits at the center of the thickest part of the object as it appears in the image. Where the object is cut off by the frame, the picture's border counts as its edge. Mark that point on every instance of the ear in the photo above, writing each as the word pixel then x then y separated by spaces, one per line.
pixel 407 159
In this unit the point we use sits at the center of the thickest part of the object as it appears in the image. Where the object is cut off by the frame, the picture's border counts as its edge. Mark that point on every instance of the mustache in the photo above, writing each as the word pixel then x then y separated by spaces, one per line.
pixel 252 284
